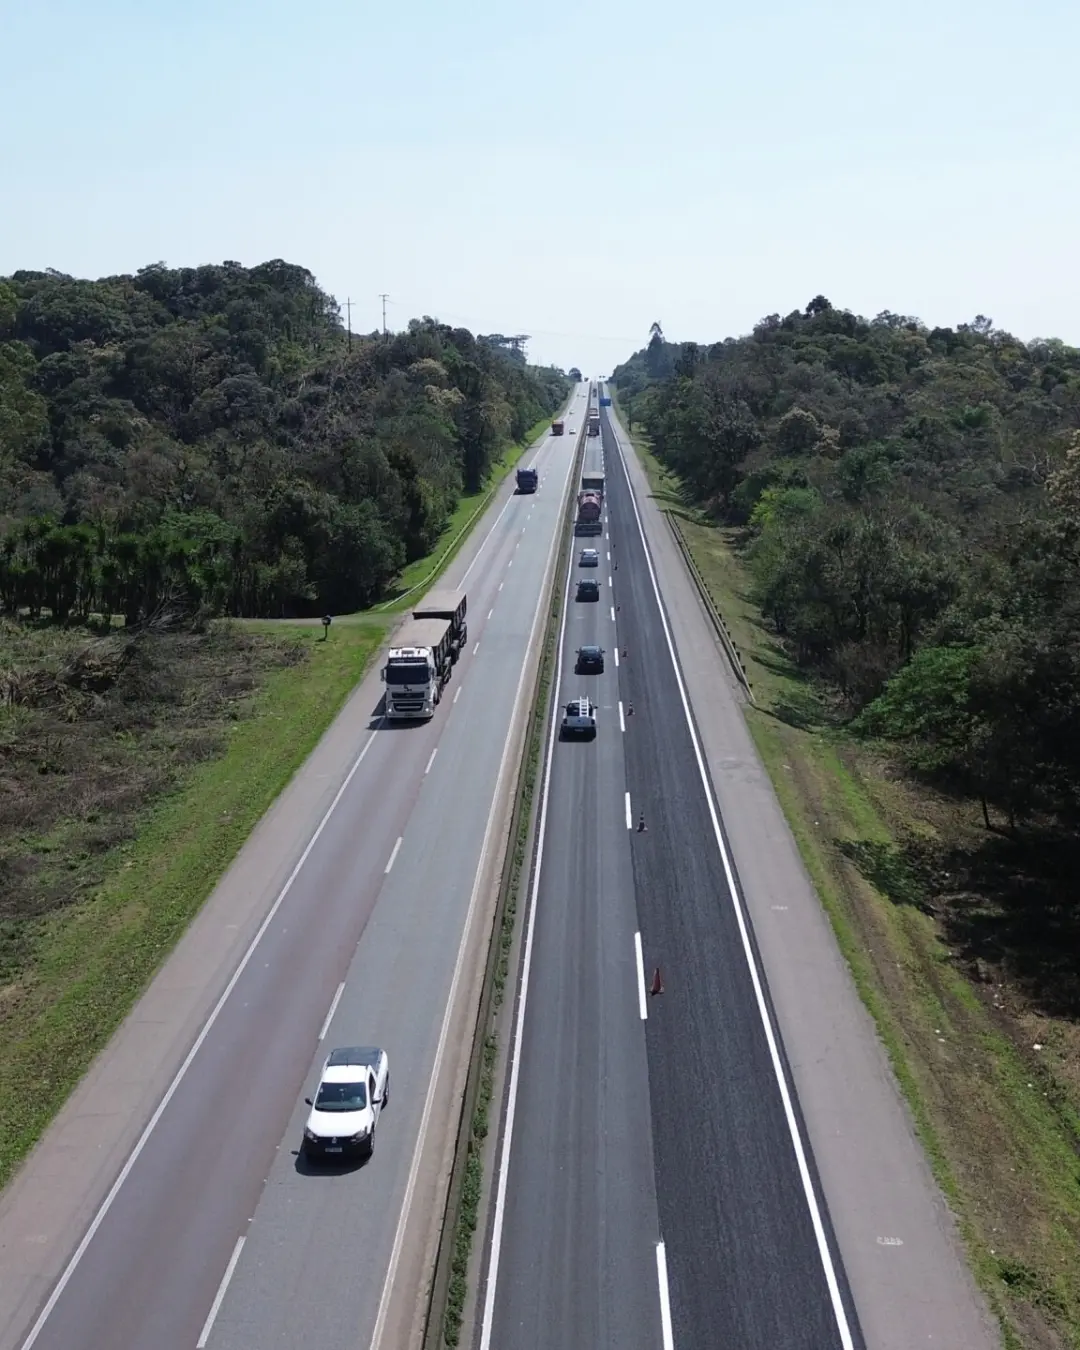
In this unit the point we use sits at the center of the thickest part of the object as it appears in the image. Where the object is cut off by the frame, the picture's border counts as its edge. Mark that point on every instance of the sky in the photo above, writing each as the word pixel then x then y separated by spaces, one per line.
pixel 569 171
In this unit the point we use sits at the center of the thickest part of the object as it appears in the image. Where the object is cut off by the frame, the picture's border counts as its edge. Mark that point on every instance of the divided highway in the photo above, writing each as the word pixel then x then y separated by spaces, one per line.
pixel 655 1186
pixel 214 1233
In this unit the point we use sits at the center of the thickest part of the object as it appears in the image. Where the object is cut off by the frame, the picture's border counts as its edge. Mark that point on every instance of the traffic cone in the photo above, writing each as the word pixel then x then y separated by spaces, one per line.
pixel 624 653
pixel 641 826
pixel 657 986
pixel 629 710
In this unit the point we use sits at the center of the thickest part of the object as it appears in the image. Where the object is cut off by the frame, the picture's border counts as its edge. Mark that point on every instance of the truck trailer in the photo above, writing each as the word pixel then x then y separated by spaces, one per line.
pixel 450 605
pixel 417 668
pixel 557 427
pixel 594 421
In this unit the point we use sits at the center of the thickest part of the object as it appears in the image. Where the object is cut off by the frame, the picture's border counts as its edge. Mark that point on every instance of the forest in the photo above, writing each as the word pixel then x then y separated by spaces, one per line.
pixel 909 506
pixel 212 440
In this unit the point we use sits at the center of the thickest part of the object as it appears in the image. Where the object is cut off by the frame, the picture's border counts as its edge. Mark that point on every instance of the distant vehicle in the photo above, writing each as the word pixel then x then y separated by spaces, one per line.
pixel 354 1090
pixel 557 427
pixel 417 668
pixel 590 660
pixel 588 590
pixel 450 605
pixel 579 721
pixel 571 431
pixel 528 480
pixel 589 558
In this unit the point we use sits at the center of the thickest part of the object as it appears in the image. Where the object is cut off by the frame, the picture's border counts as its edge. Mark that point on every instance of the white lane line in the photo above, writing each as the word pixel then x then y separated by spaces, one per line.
pixel 414 1169
pixel 181 1073
pixel 219 1297
pixel 643 1006
pixel 827 1263
pixel 501 585
pixel 488 1315
pixel 333 1009
pixel 457 692
pixel 434 752
pixel 629 816
pixel 612 613
pixel 609 581
pixel 616 658
pixel 510 563
pixel 491 611
pixel 484 542
pixel 622 719
pixel 393 857
pixel 666 1335
pixel 476 647
pixel 609 555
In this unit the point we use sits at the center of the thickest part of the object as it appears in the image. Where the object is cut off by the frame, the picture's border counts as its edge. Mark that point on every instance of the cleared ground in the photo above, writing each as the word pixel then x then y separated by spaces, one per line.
pixel 963 947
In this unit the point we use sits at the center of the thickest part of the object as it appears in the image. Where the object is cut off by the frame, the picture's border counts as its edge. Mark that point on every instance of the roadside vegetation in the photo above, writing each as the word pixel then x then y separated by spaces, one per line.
pixel 196 465
pixel 214 433
pixel 889 519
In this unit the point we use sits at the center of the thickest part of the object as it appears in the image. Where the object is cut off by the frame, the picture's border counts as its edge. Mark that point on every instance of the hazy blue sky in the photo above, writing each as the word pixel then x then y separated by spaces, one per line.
pixel 573 171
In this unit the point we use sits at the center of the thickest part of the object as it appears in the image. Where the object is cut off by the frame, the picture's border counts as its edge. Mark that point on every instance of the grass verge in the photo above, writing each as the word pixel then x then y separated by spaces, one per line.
pixel 450 1292
pixel 991 1078
pixel 135 797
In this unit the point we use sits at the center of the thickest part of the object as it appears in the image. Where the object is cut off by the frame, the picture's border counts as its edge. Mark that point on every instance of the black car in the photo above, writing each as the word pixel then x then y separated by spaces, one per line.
pixel 588 590
pixel 590 660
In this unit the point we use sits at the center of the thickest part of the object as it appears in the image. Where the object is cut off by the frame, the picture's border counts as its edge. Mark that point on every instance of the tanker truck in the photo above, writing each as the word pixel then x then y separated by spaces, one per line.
pixel 417 667
pixel 588 513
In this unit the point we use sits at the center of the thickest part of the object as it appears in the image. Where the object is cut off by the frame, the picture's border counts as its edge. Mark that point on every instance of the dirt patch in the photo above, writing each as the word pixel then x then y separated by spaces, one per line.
pixel 92 730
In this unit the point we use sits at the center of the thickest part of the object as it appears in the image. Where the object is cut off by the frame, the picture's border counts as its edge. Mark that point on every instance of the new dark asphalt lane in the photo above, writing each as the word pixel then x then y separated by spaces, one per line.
pixel 745 1266
pixel 579 1230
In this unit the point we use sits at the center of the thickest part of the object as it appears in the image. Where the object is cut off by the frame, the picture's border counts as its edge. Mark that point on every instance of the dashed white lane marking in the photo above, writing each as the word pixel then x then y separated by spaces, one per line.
pixel 501 585
pixel 491 611
pixel 219 1297
pixel 666 1333
pixel 629 814
pixel 612 613
pixel 434 752
pixel 643 1006
pixel 616 658
pixel 393 856
pixel 333 1009
pixel 622 720
pixel 476 647
pixel 609 581
pixel 457 694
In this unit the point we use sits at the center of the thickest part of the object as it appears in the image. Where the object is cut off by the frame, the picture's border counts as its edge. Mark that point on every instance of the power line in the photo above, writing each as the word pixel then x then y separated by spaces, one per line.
pixel 384 297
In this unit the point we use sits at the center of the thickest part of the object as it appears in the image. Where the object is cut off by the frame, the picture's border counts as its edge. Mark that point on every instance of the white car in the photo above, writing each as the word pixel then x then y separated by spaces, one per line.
pixel 590 557
pixel 354 1090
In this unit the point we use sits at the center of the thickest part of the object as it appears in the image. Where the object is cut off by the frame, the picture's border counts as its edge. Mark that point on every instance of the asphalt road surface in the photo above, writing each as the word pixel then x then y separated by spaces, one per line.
pixel 214 1214
pixel 673 1204
pixel 579 1231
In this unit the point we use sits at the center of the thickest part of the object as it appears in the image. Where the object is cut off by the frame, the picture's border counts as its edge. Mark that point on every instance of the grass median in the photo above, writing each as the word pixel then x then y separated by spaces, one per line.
pixel 992 1078
pixel 135 770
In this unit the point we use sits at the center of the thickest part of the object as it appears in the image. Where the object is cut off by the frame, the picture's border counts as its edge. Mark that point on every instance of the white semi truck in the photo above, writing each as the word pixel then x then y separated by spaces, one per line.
pixel 417 667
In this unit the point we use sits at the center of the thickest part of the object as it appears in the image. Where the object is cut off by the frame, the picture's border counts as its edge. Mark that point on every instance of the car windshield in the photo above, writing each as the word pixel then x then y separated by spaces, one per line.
pixel 341 1097
pixel 407 672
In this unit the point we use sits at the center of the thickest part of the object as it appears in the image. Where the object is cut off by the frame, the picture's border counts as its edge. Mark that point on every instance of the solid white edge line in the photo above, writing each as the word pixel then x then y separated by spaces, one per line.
pixel 666 1334
pixel 434 752
pixel 622 719
pixel 171 1090
pixel 333 1009
pixel 629 814
pixel 414 1168
pixel 825 1254
pixel 393 857
pixel 488 1314
pixel 219 1297
pixel 639 957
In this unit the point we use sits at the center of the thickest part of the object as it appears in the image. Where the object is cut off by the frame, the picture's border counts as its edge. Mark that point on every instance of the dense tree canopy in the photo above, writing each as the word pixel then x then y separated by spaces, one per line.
pixel 211 432
pixel 911 505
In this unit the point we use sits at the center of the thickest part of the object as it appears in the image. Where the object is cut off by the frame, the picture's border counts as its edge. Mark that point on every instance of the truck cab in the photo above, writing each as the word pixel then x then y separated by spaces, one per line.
pixel 417 667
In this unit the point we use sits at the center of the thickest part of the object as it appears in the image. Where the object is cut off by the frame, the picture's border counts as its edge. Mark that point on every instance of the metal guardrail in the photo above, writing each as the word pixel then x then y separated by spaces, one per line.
pixel 538 713
pixel 717 619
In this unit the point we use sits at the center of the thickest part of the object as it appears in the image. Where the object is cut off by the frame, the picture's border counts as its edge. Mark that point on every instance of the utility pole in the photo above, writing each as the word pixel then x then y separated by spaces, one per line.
pixel 384 299
pixel 348 311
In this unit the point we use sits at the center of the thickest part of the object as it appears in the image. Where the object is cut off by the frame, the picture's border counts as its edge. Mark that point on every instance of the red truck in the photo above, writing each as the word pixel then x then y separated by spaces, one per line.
pixel 588 513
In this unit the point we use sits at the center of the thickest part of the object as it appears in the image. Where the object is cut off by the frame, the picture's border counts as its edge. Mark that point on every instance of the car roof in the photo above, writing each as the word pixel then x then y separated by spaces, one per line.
pixel 354 1057
pixel 590 647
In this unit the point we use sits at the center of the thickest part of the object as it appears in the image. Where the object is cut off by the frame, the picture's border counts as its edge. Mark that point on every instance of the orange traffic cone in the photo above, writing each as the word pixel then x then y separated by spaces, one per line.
pixel 641 826
pixel 657 986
